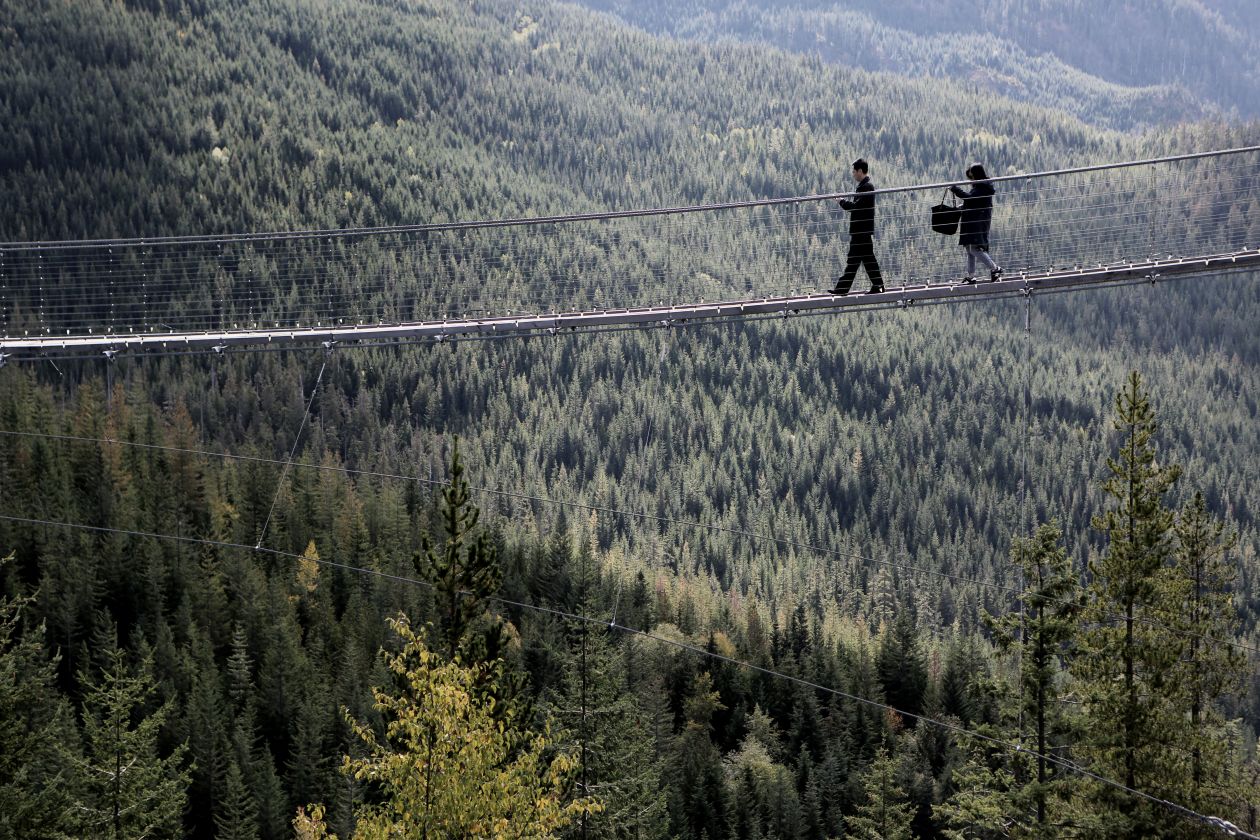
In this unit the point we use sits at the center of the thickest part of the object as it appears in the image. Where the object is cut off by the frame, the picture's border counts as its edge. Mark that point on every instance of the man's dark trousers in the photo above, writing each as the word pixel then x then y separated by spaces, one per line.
pixel 861 252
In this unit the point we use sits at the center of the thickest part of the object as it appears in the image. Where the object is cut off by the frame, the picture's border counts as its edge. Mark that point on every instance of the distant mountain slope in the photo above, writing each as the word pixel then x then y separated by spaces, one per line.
pixel 1117 65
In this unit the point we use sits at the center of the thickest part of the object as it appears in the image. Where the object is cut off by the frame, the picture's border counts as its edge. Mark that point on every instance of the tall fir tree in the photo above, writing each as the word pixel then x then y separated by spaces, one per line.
pixel 1040 636
pixel 764 800
pixel 37 732
pixel 887 813
pixel 237 817
pixel 983 804
pixel 1126 665
pixel 901 668
pixel 309 773
pixel 696 782
pixel 447 765
pixel 466 574
pixel 205 725
pixel 610 733
pixel 269 793
pixel 464 571
pixel 1208 668
pixel 126 788
pixel 606 725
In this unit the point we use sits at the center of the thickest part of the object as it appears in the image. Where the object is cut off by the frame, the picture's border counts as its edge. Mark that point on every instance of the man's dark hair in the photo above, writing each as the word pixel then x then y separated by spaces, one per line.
pixel 862 165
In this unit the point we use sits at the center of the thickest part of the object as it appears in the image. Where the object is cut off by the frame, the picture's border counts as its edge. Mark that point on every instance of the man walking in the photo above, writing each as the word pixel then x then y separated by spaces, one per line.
pixel 861 233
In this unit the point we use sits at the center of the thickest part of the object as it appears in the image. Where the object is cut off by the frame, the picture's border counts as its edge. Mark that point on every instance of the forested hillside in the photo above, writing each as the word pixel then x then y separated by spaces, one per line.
pixel 836 499
pixel 1124 66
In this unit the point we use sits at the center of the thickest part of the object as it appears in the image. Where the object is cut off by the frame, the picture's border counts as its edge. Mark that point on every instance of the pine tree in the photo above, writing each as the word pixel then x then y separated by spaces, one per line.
pixel 464 571
pixel 1126 663
pixel 447 766
pixel 696 783
pixel 36 732
pixel 901 668
pixel 308 772
pixel 237 816
pixel 239 672
pixel 607 726
pixel 887 813
pixel 466 574
pixel 984 804
pixel 268 791
pixel 261 802
pixel 125 788
pixel 1207 669
pixel 205 723
pixel 764 800
pixel 610 734
pixel 1040 636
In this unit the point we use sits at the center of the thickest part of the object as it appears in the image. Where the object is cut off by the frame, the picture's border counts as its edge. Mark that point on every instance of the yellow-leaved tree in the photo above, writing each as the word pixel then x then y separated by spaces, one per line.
pixel 450 765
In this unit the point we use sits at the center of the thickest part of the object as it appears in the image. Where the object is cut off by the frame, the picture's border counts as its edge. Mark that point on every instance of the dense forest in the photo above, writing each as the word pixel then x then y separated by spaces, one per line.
pixel 849 502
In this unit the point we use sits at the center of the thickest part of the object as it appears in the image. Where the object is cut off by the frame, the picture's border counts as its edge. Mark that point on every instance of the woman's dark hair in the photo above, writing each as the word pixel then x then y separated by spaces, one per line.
pixel 976 172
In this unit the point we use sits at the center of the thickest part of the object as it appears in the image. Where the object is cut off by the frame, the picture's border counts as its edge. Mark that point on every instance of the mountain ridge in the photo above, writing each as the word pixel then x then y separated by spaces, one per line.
pixel 1170 65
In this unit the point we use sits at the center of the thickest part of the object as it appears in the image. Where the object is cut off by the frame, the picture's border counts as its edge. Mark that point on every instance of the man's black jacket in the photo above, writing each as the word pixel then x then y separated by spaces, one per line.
pixel 862 210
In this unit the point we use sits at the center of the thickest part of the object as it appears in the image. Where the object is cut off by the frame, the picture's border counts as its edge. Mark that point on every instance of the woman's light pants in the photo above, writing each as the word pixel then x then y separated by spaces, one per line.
pixel 975 252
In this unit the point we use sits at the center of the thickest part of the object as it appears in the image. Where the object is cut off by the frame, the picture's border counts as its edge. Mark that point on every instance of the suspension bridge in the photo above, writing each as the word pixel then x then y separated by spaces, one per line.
pixel 1106 226
pixel 1139 221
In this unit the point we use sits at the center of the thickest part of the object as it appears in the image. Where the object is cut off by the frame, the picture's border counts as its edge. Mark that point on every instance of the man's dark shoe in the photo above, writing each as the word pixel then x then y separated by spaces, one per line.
pixel 839 292
pixel 875 290
pixel 995 275
pixel 967 281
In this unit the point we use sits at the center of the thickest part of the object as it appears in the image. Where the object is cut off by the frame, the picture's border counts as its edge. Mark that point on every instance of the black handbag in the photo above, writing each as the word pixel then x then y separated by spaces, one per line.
pixel 945 217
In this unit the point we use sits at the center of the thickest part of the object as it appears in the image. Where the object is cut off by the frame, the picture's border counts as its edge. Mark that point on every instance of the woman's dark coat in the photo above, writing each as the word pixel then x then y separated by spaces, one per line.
pixel 977 214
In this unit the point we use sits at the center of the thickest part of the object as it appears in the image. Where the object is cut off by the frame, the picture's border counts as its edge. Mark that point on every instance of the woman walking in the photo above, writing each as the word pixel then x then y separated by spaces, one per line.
pixel 973 229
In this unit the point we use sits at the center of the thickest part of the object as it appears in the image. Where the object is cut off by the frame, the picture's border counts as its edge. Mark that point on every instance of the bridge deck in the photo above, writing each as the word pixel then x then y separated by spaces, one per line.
pixel 1020 283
